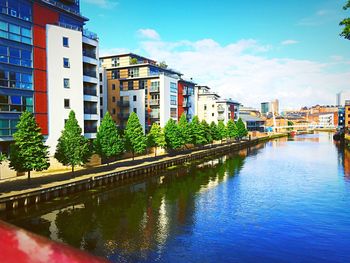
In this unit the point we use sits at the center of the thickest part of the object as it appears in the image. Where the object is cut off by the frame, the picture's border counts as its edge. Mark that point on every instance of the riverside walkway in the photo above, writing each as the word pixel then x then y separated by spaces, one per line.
pixel 20 191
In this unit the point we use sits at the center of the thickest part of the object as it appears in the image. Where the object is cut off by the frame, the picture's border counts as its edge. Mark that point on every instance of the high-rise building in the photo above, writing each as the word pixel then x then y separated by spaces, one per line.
pixel 150 89
pixel 341 97
pixel 48 66
pixel 265 108
pixel 270 107
pixel 210 107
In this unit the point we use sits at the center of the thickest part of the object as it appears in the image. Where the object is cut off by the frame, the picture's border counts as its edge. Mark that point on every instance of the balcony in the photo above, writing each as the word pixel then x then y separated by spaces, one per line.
pixel 123 115
pixel 90 129
pixel 154 102
pixel 154 89
pixel 123 103
pixel 90 73
pixel 186 104
pixel 62 6
pixel 186 93
pixel 90 91
pixel 221 118
pixel 89 34
pixel 221 109
pixel 154 115
pixel 89 53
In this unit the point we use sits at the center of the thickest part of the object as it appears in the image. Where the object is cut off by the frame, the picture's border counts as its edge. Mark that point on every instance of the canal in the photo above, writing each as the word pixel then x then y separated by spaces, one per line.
pixel 286 200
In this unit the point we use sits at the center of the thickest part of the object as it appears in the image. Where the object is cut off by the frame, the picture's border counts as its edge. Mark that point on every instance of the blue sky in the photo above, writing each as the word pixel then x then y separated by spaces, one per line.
pixel 287 49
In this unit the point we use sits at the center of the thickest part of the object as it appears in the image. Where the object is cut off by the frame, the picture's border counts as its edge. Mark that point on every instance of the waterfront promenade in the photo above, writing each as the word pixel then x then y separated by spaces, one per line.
pixel 21 192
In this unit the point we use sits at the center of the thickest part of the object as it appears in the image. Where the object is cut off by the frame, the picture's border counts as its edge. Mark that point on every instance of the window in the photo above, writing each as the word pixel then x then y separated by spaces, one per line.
pixel 15 56
pixel 113 111
pixel 12 103
pixel 66 63
pixel 205 107
pixel 116 74
pixel 15 32
pixel 135 110
pixel 154 86
pixel 11 79
pixel 130 85
pixel 173 88
pixel 101 89
pixel 113 86
pixel 17 9
pixel 101 101
pixel 113 99
pixel 213 106
pixel 66 83
pixel 173 100
pixel 115 62
pixel 142 84
pixel 134 98
pixel 66 103
pixel 173 112
pixel 212 114
pixel 65 41
pixel 133 72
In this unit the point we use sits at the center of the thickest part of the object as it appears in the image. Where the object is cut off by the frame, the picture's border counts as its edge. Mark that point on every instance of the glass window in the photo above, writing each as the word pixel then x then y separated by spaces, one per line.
pixel 4 99
pixel 26 54
pixel 66 83
pixel 134 98
pixel 66 62
pixel 173 113
pixel 113 87
pixel 66 103
pixel 3 50
pixel 25 11
pixel 130 85
pixel 65 41
pixel 4 124
pixel 173 100
pixel 16 100
pixel 173 88
pixel 14 37
pixel 3 26
pixel 28 101
pixel 26 78
pixel 26 32
pixel 26 40
pixel 15 29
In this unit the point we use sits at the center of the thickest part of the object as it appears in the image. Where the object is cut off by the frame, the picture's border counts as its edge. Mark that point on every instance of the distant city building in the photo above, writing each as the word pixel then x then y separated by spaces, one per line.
pixel 48 67
pixel 328 119
pixel 252 122
pixel 270 107
pixel 249 110
pixel 341 97
pixel 210 107
pixel 341 117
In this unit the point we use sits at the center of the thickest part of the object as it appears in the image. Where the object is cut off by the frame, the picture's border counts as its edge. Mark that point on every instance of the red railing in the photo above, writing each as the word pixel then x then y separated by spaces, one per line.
pixel 20 246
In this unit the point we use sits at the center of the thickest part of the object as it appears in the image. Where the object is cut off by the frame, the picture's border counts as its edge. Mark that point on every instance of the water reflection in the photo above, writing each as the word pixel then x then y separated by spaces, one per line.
pixel 134 220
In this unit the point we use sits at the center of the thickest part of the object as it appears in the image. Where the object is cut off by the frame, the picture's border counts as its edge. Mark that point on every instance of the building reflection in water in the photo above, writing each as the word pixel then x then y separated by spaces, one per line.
pixel 344 158
pixel 120 223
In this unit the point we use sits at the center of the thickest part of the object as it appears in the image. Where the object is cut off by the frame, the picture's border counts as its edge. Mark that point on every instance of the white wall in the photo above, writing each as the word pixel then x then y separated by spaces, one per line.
pixel 55 75
pixel 139 104
pixel 164 94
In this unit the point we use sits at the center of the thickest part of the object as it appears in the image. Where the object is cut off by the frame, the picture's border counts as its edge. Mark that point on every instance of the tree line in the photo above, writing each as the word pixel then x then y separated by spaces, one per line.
pixel 29 152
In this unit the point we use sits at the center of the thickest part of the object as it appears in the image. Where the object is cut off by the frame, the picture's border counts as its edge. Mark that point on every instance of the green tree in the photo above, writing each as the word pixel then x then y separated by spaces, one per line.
pixel 73 148
pixel 242 131
pixel 172 135
pixel 232 131
pixel 3 157
pixel 207 132
pixel 135 139
pixel 28 153
pixel 156 137
pixel 214 131
pixel 198 133
pixel 108 142
pixel 346 23
pixel 185 129
pixel 222 131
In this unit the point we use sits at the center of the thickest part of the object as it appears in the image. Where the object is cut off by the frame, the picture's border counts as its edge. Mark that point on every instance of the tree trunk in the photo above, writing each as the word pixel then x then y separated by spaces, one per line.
pixel 133 155
pixel 155 151
pixel 72 170
pixel 28 175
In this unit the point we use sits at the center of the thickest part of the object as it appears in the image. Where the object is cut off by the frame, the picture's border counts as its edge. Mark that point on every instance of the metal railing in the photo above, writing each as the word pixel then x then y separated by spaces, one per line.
pixel 123 103
pixel 90 73
pixel 89 53
pixel 154 102
pixel 154 89
pixel 62 6
pixel 90 91
pixel 89 34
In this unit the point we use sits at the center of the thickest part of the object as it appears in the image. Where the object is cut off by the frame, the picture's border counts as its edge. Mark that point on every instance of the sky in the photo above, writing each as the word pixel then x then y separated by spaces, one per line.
pixel 250 51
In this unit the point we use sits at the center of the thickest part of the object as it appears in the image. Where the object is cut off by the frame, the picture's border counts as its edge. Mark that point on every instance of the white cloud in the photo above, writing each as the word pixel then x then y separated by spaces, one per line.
pixel 320 17
pixel 289 42
pixel 102 3
pixel 148 33
pixel 113 51
pixel 241 71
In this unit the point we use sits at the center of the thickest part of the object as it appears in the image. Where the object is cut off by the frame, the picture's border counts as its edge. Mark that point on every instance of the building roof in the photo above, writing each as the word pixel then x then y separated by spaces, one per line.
pixel 248 117
pixel 229 101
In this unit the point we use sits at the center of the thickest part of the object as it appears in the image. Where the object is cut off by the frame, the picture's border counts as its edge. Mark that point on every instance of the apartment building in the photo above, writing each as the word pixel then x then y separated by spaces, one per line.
pixel 186 98
pixel 347 115
pixel 210 107
pixel 134 83
pixel 48 65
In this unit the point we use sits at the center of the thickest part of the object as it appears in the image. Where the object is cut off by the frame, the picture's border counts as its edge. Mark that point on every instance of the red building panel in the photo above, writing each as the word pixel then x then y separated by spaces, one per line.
pixel 41 17
pixel 180 99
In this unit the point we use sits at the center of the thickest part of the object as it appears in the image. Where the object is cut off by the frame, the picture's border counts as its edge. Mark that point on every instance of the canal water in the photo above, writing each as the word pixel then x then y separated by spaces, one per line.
pixel 286 200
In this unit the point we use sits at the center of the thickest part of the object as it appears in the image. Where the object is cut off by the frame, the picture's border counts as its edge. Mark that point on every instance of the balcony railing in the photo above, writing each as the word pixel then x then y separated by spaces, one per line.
pixel 221 117
pixel 90 129
pixel 90 111
pixel 221 109
pixel 154 89
pixel 186 104
pixel 186 93
pixel 154 115
pixel 89 53
pixel 90 73
pixel 154 102
pixel 89 34
pixel 90 91
pixel 62 6
pixel 123 103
